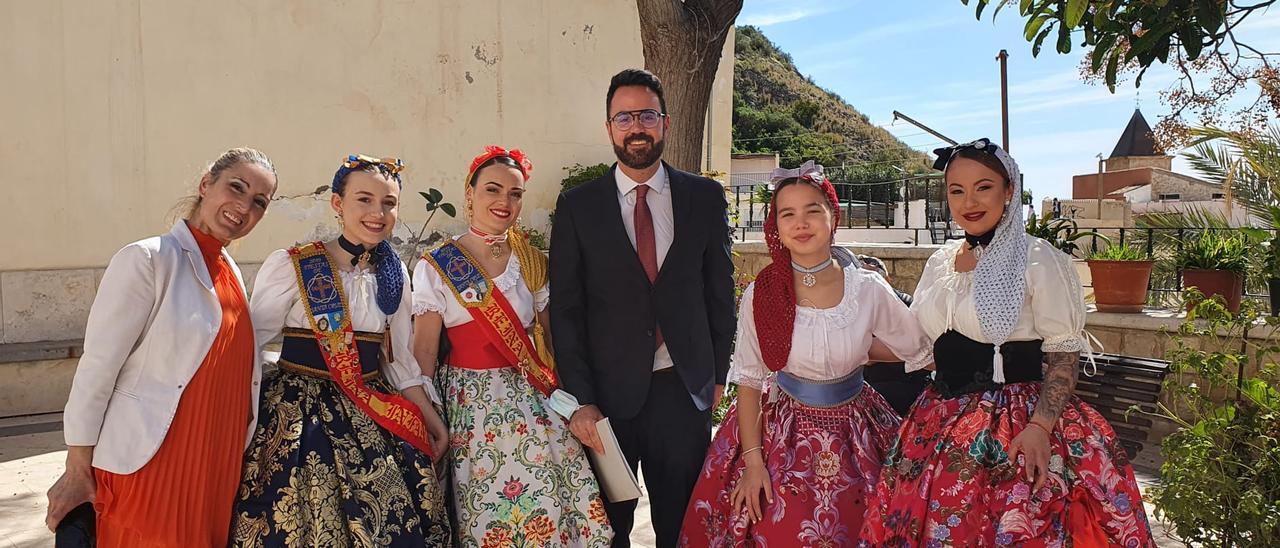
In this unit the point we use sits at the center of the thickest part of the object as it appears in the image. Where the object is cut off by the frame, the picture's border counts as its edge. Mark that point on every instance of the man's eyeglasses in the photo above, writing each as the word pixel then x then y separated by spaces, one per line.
pixel 648 118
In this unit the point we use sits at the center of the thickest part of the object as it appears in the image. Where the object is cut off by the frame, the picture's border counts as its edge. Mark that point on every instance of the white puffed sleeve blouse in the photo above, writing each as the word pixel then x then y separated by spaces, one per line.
pixel 832 343
pixel 1052 311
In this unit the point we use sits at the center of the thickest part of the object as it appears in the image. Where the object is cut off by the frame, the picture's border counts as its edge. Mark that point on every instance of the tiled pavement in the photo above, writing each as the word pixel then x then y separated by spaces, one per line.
pixel 32 454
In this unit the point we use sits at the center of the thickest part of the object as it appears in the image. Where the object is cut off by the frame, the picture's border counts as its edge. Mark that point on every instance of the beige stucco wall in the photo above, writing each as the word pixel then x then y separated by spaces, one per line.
pixel 1187 188
pixel 1133 162
pixel 755 163
pixel 122 103
pixel 718 135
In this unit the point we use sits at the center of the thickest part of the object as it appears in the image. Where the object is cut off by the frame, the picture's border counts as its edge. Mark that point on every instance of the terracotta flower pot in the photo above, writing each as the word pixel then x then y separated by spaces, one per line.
pixel 1215 282
pixel 1120 286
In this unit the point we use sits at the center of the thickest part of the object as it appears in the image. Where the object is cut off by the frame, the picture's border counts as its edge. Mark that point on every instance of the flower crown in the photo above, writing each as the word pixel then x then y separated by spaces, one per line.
pixel 495 151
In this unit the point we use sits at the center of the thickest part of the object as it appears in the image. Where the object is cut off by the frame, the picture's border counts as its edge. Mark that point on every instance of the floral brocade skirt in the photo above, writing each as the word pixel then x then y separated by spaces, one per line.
pixel 948 480
pixel 518 476
pixel 322 473
pixel 823 463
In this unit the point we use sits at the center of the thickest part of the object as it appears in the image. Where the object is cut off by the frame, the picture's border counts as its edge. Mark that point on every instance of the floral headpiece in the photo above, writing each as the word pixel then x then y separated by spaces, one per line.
pixel 495 151
pixel 390 166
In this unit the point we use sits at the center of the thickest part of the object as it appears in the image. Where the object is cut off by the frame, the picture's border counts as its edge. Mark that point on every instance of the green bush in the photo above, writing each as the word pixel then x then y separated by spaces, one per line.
pixel 579 174
pixel 1220 481
pixel 1062 232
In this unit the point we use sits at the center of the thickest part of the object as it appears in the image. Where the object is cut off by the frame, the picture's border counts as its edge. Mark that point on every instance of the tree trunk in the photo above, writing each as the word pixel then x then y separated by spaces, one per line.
pixel 682 42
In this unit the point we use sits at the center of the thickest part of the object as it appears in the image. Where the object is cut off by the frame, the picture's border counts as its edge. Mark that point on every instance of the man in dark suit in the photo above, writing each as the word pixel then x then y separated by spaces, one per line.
pixel 642 312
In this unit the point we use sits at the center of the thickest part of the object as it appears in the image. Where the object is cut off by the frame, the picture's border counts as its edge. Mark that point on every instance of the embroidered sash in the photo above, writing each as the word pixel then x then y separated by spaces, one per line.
pixel 330 317
pixel 491 311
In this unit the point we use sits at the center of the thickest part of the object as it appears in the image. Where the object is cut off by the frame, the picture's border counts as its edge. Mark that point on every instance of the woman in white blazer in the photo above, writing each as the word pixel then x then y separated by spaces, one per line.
pixel 163 399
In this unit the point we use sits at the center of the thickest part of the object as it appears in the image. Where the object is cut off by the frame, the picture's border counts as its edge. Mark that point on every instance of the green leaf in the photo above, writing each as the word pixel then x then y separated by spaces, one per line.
pixel 1075 11
pixel 449 210
pixel 431 206
pixel 425 196
pixel 999 6
pixel 1112 64
pixel 436 196
pixel 1064 39
pixel 982 5
pixel 1033 26
pixel 1100 52
pixel 1191 40
pixel 1210 15
pixel 1035 48
pixel 1024 7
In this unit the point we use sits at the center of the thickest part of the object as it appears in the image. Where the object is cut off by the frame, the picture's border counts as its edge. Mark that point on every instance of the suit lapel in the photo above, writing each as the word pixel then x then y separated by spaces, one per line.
pixel 189 246
pixel 617 231
pixel 681 208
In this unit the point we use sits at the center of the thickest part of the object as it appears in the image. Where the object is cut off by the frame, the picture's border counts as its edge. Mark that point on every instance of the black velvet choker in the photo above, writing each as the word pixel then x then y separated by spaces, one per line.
pixel 980 240
pixel 356 250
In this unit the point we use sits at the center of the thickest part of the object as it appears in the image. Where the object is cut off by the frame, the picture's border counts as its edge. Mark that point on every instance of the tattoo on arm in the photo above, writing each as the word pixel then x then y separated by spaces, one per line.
pixel 1060 374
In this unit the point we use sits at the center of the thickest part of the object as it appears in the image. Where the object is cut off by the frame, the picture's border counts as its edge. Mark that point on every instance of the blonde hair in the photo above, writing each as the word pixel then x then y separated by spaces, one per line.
pixel 188 205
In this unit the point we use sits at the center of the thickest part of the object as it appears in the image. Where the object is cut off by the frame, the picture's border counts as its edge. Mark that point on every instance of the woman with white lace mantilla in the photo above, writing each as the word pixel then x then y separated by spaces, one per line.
pixel 999 451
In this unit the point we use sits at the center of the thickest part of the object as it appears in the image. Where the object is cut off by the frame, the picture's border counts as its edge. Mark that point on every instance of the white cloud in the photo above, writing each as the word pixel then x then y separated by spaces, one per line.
pixel 767 19
pixel 875 35
pixel 767 13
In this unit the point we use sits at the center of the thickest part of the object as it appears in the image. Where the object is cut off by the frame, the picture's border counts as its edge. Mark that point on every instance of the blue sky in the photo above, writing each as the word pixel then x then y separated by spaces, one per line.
pixel 933 61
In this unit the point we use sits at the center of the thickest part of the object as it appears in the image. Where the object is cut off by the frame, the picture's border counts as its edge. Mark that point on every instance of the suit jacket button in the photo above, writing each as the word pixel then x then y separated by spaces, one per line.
pixel 648 332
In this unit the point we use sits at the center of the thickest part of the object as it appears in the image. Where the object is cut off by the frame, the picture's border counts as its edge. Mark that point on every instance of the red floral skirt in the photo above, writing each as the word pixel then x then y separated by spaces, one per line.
pixel 948 480
pixel 822 462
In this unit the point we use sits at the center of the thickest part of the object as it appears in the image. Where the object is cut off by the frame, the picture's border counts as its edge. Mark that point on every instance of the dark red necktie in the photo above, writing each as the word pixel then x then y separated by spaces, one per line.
pixel 646 246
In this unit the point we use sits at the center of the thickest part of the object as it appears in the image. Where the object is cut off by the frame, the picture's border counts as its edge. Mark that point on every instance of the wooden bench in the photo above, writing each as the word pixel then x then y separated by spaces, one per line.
pixel 1122 382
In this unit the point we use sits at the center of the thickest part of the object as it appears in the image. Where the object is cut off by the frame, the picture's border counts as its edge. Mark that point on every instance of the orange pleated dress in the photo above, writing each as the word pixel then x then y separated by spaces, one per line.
pixel 184 494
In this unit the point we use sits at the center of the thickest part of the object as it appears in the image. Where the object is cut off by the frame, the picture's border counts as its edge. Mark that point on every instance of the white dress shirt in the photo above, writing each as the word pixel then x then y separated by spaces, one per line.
pixel 664 227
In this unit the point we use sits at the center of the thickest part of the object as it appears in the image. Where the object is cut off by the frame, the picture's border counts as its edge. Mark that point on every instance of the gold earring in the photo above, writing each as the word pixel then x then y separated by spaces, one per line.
pixel 469 208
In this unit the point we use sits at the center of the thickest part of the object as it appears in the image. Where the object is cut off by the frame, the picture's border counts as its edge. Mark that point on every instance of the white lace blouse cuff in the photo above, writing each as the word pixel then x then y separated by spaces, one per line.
pixel 740 378
pixel 920 363
pixel 1068 343
pixel 429 385
pixel 420 308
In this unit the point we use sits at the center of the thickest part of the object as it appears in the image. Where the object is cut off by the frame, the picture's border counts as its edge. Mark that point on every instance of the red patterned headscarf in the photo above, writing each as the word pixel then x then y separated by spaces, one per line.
pixel 774 303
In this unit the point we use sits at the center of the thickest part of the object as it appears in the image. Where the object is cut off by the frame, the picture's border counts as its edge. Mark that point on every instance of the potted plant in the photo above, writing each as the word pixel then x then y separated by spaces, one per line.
pixel 1215 264
pixel 1120 276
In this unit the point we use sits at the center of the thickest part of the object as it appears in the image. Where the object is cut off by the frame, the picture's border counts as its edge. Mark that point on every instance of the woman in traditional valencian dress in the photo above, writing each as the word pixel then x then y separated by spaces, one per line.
pixel 519 478
pixel 806 435
pixel 342 454
pixel 163 399
pixel 999 452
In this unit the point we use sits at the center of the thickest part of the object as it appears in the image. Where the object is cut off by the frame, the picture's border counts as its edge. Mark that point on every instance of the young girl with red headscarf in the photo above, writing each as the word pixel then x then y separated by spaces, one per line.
pixel 799 453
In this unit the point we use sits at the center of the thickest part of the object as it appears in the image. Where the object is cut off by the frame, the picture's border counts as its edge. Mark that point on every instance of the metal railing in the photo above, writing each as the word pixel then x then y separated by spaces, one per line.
pixel 863 205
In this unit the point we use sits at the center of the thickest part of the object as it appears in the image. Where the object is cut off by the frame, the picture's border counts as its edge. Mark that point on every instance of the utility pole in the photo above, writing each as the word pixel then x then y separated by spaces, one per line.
pixel 1100 164
pixel 1004 98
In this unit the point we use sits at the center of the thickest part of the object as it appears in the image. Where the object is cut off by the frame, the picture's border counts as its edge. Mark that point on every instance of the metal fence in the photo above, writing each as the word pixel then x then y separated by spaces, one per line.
pixel 864 205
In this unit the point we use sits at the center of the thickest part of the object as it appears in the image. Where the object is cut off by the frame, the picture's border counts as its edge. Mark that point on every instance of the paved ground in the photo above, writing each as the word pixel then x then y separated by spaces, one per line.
pixel 32 455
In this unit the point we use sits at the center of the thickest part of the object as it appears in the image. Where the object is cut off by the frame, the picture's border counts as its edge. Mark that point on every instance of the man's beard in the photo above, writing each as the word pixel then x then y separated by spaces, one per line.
pixel 640 159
